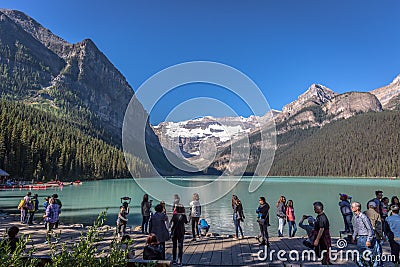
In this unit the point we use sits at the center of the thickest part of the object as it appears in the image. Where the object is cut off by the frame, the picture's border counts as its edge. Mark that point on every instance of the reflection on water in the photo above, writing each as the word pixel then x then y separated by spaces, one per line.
pixel 81 204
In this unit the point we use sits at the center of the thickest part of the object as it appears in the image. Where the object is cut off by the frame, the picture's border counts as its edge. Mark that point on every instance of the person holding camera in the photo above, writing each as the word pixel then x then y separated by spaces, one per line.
pixel 263 220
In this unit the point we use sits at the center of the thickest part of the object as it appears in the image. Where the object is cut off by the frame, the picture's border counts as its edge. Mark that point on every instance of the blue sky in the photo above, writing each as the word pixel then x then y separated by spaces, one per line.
pixel 283 46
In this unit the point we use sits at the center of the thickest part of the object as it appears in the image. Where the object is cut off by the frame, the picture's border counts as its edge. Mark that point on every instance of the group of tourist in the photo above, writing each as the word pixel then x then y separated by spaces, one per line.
pixel 369 229
pixel 285 213
pixel 380 221
pixel 29 205
pixel 158 226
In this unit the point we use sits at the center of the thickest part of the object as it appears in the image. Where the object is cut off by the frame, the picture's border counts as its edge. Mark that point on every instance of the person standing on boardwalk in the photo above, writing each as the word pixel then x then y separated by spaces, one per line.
pixel 322 241
pixel 263 220
pixel 23 206
pixel 238 215
pixel 377 226
pixel 122 221
pixel 175 202
pixel 58 202
pixel 377 200
pixel 363 231
pixel 35 207
pixel 159 228
pixel 51 217
pixel 345 210
pixel 145 208
pixel 178 222
pixel 281 213
pixel 195 213
pixel 291 219
pixel 392 229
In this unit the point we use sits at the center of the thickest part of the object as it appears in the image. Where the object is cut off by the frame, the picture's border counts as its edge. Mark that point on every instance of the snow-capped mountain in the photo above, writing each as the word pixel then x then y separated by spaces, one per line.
pixel 206 135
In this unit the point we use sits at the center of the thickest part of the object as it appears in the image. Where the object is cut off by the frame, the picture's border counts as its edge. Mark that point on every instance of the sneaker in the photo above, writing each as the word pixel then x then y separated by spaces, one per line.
pixel 241 237
pixel 173 262
pixel 46 242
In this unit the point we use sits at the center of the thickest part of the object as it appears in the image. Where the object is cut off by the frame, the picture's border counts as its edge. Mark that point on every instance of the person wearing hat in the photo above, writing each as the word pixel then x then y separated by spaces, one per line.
pixel 392 229
pixel 376 223
pixel 347 214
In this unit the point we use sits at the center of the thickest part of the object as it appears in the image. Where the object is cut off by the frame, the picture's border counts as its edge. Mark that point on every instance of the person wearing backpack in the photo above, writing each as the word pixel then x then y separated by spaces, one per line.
pixel 178 222
pixel 23 207
pixel 33 206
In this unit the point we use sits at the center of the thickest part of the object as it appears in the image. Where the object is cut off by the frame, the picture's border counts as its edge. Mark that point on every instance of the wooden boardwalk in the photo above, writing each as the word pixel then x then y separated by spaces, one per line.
pixel 208 251
pixel 220 251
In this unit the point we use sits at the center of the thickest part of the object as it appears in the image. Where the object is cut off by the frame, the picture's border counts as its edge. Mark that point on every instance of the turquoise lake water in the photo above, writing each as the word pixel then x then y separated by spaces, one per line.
pixel 81 204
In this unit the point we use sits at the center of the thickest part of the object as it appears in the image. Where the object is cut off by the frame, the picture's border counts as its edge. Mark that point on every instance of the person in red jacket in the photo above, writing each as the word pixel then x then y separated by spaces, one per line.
pixel 291 218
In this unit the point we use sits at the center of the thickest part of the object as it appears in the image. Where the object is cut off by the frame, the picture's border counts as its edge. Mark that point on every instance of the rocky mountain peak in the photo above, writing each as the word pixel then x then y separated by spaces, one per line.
pixel 396 81
pixel 389 95
pixel 316 94
pixel 36 30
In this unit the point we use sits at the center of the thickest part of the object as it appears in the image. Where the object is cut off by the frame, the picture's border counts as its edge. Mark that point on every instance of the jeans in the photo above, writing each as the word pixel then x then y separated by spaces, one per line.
pixel 203 227
pixel 264 233
pixel 281 225
pixel 395 250
pixel 177 242
pixel 348 226
pixel 292 224
pixel 24 216
pixel 361 247
pixel 145 224
pixel 237 225
pixel 378 253
pixel 195 222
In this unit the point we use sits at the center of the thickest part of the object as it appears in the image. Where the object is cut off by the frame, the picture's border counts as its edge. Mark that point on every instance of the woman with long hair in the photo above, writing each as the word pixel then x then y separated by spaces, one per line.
pixel 281 214
pixel 178 222
pixel 291 218
pixel 238 215
pixel 145 207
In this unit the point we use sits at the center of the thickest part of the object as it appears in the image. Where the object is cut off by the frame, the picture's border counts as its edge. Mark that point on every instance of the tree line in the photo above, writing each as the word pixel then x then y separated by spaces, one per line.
pixel 35 144
pixel 366 145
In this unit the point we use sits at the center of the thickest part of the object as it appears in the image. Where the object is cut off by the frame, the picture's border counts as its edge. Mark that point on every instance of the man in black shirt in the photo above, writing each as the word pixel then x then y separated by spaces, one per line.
pixel 322 241
pixel 263 220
